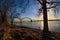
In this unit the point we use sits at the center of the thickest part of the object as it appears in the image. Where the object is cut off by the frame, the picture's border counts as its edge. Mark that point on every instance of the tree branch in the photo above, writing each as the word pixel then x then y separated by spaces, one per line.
pixel 53 6
pixel 52 2
pixel 39 2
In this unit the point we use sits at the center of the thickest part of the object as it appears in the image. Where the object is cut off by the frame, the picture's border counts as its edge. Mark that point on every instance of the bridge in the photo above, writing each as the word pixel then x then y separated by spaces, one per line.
pixel 30 20
pixel 22 19
pixel 27 18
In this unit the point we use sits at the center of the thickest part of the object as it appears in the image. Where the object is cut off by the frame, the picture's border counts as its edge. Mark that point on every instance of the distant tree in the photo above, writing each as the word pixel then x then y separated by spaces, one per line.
pixel 12 14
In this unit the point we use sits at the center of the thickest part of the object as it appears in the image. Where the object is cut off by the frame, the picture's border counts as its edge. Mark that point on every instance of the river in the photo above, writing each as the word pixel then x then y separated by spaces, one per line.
pixel 53 25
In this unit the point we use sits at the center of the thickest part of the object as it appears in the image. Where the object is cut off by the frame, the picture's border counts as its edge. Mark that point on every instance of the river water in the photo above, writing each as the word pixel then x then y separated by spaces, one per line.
pixel 53 25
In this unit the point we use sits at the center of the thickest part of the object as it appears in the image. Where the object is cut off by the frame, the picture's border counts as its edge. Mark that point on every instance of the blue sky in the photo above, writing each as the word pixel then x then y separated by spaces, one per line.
pixel 32 9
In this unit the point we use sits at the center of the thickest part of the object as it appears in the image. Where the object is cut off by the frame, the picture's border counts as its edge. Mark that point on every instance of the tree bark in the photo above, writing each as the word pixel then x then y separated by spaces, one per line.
pixel 4 19
pixel 12 19
pixel 45 16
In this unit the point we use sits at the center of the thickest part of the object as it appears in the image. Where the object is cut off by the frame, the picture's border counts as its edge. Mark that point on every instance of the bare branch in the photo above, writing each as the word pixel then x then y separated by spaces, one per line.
pixel 52 2
pixel 53 6
pixel 39 2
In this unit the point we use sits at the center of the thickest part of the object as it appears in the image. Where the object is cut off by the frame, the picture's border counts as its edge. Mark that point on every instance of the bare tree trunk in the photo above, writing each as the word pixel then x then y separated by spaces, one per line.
pixel 12 19
pixel 45 16
pixel 4 19
pixel 46 34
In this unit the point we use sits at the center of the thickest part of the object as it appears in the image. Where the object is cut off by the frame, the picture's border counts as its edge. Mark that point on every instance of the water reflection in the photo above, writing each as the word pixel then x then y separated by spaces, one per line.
pixel 53 25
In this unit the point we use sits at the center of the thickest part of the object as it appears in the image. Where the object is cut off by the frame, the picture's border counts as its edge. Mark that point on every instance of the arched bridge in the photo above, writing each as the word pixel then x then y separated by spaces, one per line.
pixel 27 18
pixel 21 19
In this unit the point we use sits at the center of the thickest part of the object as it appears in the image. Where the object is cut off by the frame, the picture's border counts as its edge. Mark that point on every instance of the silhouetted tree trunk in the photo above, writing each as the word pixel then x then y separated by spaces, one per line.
pixel 4 18
pixel 45 16
pixel 12 21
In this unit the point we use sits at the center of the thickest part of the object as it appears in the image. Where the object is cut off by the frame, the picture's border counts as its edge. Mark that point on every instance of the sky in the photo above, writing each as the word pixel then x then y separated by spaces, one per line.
pixel 32 10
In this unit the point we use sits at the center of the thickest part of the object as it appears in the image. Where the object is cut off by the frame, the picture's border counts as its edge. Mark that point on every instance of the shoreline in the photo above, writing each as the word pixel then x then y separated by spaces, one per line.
pixel 8 32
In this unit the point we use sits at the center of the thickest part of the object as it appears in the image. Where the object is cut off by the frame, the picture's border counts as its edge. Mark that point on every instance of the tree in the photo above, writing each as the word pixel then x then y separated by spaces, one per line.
pixel 44 9
pixel 46 33
pixel 12 15
pixel 4 7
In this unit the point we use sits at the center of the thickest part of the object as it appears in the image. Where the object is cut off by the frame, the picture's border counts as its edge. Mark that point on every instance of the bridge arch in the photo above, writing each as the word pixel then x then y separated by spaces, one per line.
pixel 21 19
pixel 18 19
pixel 27 18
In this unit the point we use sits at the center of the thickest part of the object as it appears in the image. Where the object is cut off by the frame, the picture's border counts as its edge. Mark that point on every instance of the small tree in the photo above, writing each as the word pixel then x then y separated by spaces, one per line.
pixel 15 16
pixel 12 15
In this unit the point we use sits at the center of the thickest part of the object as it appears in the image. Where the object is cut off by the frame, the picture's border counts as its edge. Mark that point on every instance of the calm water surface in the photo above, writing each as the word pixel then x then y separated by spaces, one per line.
pixel 53 25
